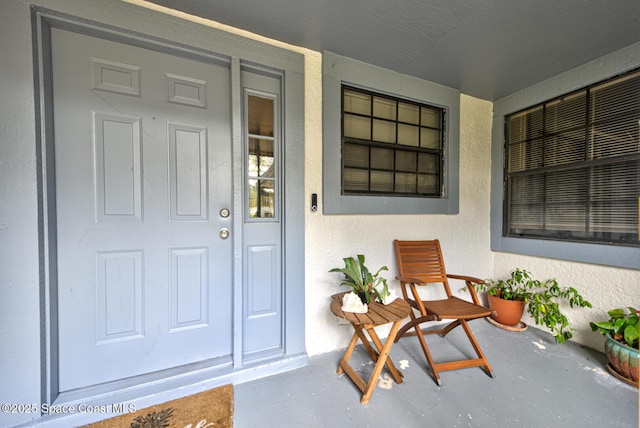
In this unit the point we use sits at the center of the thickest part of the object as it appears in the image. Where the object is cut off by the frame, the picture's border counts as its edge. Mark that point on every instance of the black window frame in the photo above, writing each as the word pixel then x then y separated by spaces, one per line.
pixel 549 172
pixel 428 171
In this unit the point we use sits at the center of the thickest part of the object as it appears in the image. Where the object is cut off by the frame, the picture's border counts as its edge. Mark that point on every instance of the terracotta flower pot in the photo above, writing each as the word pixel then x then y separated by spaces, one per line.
pixel 507 312
pixel 623 359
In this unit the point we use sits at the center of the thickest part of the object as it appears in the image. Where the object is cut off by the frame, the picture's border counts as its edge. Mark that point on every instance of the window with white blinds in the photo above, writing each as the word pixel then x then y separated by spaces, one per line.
pixel 572 166
pixel 390 146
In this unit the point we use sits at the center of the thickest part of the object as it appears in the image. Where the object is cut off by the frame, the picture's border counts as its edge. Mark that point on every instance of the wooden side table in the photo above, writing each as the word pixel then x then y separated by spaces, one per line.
pixel 377 315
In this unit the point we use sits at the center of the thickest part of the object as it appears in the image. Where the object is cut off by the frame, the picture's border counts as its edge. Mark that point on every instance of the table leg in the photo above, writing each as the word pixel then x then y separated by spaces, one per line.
pixel 347 354
pixel 395 373
pixel 365 341
pixel 382 359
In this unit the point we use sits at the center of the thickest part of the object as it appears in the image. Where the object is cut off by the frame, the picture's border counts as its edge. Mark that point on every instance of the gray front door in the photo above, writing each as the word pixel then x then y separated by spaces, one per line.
pixel 143 193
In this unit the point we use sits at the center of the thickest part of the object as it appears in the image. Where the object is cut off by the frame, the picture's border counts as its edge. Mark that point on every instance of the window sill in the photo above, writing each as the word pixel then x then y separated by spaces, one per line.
pixel 600 254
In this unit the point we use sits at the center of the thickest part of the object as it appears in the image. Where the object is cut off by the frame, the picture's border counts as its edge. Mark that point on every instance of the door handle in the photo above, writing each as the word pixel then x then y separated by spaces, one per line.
pixel 224 233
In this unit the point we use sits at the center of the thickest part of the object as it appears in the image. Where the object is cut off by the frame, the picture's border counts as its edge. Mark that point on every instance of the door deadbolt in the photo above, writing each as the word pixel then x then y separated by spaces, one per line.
pixel 224 233
pixel 224 213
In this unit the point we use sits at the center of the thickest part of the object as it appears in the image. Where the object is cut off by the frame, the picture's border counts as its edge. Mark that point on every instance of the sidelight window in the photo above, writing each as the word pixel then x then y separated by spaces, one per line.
pixel 261 157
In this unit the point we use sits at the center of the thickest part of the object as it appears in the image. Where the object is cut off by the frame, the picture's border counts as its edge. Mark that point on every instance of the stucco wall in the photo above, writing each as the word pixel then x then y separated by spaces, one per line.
pixel 464 237
pixel 605 287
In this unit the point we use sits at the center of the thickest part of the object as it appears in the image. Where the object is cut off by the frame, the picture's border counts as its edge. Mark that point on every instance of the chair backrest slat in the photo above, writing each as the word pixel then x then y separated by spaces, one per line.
pixel 421 260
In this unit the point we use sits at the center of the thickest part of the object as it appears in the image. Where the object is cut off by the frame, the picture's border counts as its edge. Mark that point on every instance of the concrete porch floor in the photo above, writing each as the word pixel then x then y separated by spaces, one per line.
pixel 537 384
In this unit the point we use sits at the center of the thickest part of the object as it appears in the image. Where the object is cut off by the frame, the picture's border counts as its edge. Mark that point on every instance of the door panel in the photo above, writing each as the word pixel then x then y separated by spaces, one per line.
pixel 142 158
pixel 187 173
pixel 118 167
pixel 263 306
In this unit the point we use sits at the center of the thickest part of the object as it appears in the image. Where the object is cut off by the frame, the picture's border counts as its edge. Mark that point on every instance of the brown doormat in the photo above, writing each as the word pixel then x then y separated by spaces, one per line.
pixel 212 408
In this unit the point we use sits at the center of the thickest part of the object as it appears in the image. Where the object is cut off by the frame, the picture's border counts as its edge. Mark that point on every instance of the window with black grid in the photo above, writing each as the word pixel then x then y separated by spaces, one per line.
pixel 391 146
pixel 572 166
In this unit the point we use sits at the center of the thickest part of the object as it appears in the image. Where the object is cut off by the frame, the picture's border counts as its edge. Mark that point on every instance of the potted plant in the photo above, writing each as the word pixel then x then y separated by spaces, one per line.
pixel 542 299
pixel 361 281
pixel 621 344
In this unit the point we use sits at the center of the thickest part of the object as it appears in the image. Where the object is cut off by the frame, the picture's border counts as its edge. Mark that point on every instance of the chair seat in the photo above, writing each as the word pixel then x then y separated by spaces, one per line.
pixel 455 308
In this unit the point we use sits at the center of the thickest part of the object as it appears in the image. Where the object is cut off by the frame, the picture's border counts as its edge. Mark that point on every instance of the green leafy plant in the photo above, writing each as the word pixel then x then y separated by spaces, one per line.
pixel 623 327
pixel 542 300
pixel 360 279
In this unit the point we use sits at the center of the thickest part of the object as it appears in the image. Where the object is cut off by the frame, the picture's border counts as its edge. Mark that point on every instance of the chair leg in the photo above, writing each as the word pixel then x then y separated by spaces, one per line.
pixel 427 354
pixel 437 367
pixel 476 346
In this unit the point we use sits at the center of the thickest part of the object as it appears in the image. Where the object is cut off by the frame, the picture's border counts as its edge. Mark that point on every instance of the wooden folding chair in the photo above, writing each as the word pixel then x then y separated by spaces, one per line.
pixel 421 263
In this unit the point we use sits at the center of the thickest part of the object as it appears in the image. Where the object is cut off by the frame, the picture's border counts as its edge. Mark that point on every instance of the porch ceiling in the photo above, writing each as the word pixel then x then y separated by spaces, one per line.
pixel 487 49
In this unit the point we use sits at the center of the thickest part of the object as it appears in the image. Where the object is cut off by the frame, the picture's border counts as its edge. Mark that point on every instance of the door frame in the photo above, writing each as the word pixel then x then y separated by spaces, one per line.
pixel 203 43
